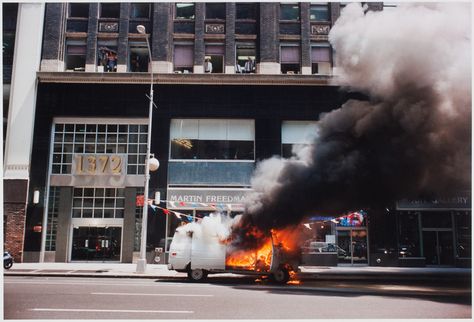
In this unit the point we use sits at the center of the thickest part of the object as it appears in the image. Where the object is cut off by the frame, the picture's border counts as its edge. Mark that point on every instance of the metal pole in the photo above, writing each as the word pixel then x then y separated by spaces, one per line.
pixel 141 263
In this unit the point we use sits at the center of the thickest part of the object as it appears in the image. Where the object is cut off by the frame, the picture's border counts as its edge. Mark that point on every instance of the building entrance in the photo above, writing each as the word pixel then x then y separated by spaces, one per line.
pixel 438 247
pixel 352 244
pixel 96 243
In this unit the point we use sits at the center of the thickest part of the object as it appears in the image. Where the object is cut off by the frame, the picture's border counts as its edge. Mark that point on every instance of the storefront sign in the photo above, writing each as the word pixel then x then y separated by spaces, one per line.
pixel 206 198
pixel 462 202
pixel 99 164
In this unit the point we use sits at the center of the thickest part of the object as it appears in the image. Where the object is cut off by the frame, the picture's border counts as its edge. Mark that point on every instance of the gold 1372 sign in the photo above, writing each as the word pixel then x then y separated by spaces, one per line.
pixel 99 164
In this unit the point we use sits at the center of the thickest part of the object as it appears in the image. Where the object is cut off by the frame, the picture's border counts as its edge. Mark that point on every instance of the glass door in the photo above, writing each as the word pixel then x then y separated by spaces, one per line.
pixel 352 246
pixel 438 247
pixel 96 243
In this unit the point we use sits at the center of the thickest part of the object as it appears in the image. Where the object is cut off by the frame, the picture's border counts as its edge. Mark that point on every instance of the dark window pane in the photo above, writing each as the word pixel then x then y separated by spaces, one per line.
pixel 319 13
pixel 110 10
pixel 409 236
pixel 436 220
pixel 184 11
pixel 140 10
pixel 246 11
pixel 215 11
pixel 79 10
pixel 289 12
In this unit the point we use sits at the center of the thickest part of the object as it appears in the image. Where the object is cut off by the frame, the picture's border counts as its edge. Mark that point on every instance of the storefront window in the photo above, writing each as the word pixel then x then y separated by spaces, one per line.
pixel 210 139
pixel 462 221
pixel 409 234
pixel 436 219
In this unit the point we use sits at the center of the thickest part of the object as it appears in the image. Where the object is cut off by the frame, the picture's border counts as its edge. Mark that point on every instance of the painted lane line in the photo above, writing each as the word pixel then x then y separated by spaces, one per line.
pixel 107 284
pixel 153 294
pixel 105 310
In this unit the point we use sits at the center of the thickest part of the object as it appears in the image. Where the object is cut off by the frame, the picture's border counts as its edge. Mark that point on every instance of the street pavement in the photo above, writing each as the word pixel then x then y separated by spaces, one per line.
pixel 157 271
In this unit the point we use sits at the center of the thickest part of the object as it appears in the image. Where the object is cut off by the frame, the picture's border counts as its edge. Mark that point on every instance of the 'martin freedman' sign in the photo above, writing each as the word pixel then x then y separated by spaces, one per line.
pixel 194 198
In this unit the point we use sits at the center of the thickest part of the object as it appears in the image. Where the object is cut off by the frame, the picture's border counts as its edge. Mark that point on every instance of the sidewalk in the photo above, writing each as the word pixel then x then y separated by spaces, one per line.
pixel 157 271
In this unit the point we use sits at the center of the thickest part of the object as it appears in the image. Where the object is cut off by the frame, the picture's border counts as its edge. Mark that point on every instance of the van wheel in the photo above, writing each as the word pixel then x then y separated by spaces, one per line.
pixel 280 275
pixel 197 275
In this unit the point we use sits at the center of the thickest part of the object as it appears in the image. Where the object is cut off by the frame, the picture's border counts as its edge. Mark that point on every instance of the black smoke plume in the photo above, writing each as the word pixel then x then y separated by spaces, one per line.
pixel 411 138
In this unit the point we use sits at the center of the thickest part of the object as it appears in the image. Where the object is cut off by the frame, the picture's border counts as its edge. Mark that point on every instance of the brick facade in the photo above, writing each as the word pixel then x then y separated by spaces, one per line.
pixel 14 218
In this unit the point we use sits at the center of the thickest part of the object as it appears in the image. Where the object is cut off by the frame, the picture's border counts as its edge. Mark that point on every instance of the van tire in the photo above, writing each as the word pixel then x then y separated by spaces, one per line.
pixel 280 276
pixel 197 275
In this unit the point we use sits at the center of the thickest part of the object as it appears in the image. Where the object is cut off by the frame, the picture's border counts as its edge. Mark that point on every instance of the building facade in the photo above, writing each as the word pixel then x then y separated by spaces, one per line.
pixel 234 83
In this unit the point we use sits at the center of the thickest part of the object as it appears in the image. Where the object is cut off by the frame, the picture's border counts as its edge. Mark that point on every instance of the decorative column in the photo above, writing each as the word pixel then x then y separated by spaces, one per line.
pixel 52 59
pixel 92 27
pixel 230 38
pixel 123 49
pixel 269 39
pixel 21 117
pixel 305 39
pixel 199 46
pixel 162 37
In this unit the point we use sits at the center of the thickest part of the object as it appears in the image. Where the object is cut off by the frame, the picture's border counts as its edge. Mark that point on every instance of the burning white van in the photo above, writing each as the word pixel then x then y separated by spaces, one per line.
pixel 199 250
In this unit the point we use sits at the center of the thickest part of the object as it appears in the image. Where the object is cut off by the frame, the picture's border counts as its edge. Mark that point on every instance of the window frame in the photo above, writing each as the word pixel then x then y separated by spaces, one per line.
pixel 246 4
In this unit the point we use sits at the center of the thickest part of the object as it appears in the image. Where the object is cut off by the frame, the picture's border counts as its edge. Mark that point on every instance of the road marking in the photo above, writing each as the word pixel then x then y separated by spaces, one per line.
pixel 152 294
pixel 94 282
pixel 105 310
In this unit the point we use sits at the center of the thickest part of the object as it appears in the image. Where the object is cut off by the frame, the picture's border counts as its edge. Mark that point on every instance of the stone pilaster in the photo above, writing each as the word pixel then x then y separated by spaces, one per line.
pixel 123 49
pixel 52 59
pixel 230 38
pixel 269 39
pixel 199 46
pixel 92 27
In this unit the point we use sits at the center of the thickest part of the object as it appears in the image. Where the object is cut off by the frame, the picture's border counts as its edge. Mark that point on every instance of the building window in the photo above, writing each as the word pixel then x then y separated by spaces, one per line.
pixel 183 58
pixel 462 221
pixel 184 11
pixel 321 59
pixel 110 10
pixel 140 10
pixel 98 203
pixel 212 139
pixel 290 59
pixel 215 11
pixel 70 138
pixel 290 12
pixel 53 211
pixel 75 55
pixel 319 12
pixel 246 54
pixel 214 59
pixel 409 234
pixel 246 11
pixel 296 135
pixel 107 55
pixel 78 10
pixel 138 60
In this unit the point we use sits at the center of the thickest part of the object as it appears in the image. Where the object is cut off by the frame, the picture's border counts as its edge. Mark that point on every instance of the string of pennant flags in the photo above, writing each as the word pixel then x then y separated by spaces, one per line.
pixel 140 202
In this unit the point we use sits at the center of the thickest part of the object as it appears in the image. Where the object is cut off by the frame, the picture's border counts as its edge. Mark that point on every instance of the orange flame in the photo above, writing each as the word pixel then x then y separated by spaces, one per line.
pixel 260 259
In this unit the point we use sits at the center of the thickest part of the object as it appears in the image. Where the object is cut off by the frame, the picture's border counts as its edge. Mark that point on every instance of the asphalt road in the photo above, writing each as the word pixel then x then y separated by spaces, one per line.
pixel 229 298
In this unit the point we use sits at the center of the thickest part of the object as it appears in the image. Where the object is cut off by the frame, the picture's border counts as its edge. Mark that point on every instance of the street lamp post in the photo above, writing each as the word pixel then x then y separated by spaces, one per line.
pixel 141 263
